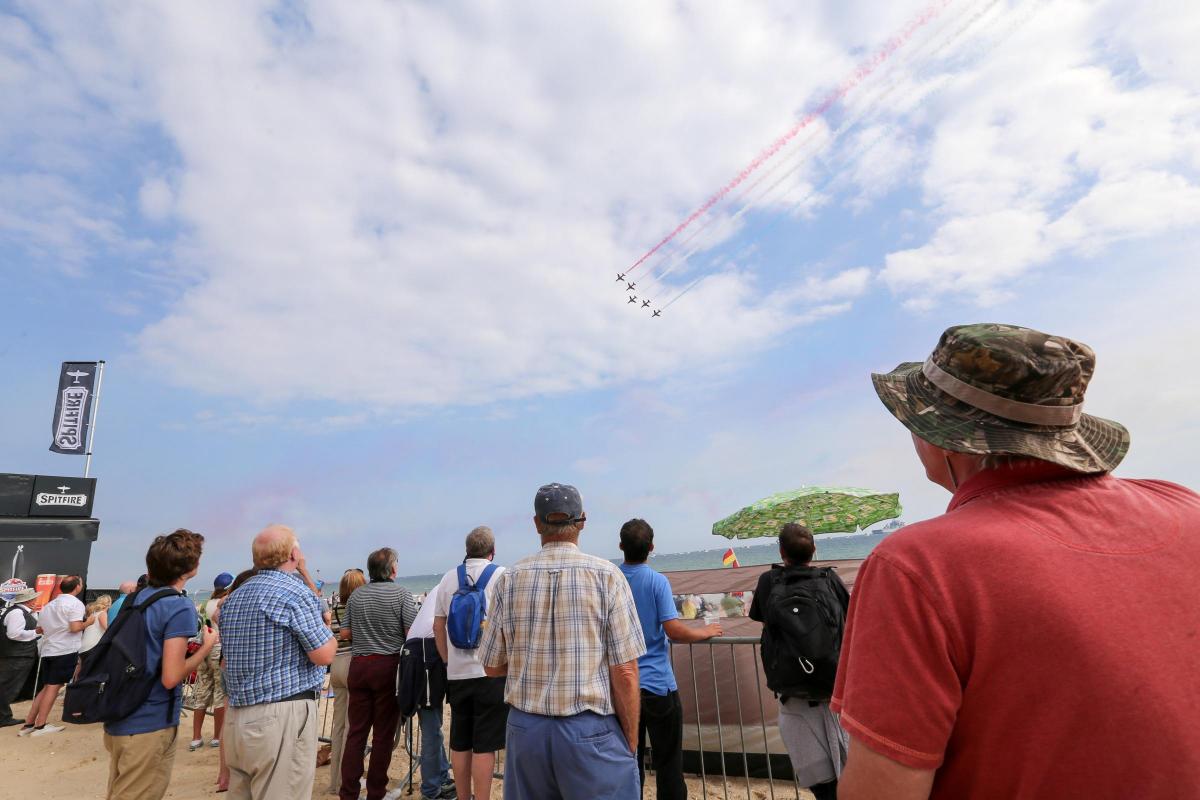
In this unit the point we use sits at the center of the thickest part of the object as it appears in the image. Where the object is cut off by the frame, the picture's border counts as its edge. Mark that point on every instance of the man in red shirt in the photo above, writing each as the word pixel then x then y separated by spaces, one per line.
pixel 1041 638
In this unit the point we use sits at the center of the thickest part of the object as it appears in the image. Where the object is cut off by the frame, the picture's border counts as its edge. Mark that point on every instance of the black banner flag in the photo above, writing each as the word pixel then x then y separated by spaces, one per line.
pixel 75 387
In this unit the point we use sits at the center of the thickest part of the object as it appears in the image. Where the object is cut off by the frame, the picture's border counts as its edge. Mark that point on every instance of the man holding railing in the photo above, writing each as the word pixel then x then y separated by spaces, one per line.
pixel 661 711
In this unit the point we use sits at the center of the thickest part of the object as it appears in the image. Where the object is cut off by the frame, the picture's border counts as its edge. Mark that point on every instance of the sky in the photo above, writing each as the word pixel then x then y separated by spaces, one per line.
pixel 352 265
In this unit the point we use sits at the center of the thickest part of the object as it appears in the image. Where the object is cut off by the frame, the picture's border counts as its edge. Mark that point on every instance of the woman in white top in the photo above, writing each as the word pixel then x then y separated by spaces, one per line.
pixel 97 609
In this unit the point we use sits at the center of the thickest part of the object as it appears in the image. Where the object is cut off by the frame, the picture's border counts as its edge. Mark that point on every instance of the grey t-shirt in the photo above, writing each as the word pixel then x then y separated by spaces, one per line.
pixel 379 616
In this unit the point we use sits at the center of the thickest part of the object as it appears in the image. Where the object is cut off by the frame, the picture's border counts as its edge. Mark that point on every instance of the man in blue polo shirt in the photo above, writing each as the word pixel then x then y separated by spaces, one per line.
pixel 662 714
pixel 142 746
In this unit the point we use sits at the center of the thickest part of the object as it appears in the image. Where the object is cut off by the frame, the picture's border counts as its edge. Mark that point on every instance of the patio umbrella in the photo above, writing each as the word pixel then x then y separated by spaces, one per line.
pixel 822 509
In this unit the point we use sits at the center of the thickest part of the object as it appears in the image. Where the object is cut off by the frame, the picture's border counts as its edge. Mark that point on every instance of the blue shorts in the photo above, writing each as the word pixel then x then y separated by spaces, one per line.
pixel 584 757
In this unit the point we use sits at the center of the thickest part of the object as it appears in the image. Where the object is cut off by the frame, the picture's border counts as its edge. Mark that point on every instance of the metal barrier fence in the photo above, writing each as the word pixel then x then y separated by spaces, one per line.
pixel 721 709
pixel 717 697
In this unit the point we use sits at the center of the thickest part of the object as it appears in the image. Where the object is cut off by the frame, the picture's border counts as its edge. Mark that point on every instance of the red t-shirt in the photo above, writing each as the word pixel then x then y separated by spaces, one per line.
pixel 1040 639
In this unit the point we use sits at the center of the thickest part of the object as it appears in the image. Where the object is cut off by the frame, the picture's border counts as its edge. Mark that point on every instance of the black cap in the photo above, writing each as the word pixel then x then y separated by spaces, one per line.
pixel 558 498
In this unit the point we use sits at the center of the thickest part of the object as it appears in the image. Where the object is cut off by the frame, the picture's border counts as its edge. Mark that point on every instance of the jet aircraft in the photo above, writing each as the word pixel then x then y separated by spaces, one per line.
pixel 632 299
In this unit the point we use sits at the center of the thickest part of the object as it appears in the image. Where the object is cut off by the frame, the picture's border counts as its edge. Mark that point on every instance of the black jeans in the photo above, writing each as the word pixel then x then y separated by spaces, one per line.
pixel 824 791
pixel 662 719
pixel 13 672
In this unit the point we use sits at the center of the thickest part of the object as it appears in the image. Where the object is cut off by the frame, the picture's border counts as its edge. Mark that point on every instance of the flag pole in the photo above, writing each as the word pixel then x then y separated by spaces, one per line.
pixel 87 463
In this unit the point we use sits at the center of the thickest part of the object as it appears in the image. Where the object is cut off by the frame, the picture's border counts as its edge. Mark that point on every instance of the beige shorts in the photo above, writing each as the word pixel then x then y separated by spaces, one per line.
pixel 210 683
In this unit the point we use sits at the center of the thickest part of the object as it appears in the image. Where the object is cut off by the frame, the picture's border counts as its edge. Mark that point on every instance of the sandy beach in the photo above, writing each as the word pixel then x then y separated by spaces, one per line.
pixel 73 764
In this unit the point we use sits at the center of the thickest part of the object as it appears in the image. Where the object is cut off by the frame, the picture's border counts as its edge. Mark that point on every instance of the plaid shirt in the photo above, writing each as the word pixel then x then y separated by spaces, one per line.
pixel 560 619
pixel 268 626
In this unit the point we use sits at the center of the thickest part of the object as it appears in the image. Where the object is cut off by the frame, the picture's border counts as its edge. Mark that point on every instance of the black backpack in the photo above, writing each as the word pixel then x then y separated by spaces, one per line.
pixel 803 623
pixel 420 677
pixel 113 681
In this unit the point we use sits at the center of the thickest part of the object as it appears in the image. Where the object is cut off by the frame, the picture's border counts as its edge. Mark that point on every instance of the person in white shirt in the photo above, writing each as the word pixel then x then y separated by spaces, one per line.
pixel 18 651
pixel 478 714
pixel 62 624
pixel 435 768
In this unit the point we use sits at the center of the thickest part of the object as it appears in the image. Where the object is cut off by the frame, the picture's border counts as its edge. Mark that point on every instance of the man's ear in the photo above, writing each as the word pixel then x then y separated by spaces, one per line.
pixel 622 546
pixel 651 550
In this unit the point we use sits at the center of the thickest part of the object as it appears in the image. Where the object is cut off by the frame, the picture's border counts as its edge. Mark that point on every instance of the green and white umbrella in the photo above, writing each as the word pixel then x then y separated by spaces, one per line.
pixel 821 509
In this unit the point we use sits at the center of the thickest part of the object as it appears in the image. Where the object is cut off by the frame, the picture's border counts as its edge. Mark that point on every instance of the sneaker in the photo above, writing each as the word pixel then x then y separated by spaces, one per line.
pixel 195 744
pixel 215 743
pixel 448 792
pixel 49 729
pixel 26 730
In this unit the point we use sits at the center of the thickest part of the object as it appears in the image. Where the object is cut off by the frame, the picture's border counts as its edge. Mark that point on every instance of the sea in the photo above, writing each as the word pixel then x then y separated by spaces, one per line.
pixel 829 548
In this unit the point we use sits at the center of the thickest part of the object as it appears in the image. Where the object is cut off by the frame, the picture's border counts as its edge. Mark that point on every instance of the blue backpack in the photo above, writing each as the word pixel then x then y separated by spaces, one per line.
pixel 468 607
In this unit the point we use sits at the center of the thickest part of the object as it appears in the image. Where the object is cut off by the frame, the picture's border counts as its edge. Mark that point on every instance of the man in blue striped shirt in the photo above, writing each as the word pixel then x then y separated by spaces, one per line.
pixel 276 647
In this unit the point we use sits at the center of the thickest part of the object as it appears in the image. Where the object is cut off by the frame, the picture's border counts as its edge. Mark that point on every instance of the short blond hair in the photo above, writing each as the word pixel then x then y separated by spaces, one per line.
pixel 273 546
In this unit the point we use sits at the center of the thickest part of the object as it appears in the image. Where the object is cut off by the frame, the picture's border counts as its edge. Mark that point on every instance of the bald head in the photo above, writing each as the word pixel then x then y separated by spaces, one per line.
pixel 274 547
pixel 128 587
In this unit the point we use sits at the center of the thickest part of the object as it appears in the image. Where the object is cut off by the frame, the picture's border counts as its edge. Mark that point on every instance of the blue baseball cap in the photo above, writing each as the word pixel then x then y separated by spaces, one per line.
pixel 222 580
pixel 558 504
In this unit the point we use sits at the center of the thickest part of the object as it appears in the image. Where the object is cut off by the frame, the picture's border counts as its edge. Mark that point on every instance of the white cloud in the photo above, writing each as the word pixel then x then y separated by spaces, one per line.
pixel 155 198
pixel 1063 154
pixel 408 205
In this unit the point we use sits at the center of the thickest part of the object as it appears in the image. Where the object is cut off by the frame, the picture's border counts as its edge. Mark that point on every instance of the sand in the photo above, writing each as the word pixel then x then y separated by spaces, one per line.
pixel 74 765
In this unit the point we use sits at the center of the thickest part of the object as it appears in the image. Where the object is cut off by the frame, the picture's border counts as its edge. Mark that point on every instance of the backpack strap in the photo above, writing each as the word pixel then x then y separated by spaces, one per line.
pixel 462 577
pixel 485 576
pixel 152 599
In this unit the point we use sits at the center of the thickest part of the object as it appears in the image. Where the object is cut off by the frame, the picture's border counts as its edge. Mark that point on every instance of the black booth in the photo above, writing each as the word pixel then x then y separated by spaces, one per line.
pixel 46 526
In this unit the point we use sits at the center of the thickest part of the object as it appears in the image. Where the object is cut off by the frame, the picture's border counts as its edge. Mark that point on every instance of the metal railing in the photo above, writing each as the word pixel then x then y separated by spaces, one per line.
pixel 722 708
pixel 728 711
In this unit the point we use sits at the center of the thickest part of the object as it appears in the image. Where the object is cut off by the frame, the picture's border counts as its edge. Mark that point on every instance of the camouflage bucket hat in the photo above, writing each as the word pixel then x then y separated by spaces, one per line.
pixel 1002 389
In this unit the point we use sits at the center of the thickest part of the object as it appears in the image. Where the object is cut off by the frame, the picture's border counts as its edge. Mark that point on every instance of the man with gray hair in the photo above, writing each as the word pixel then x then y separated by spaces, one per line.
pixel 478 714
pixel 565 631
pixel 276 649
pixel 378 617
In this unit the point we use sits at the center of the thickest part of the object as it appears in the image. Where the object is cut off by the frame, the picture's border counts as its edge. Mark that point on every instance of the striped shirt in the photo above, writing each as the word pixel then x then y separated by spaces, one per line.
pixel 268 628
pixel 379 616
pixel 560 619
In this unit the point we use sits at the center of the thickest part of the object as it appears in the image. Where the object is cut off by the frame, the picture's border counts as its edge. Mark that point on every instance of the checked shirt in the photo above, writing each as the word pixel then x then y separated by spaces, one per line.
pixel 559 620
pixel 268 627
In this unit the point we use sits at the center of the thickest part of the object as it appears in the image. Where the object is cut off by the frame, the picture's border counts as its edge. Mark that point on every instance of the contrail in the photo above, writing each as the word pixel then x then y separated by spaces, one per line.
pixel 751 198
pixel 1019 21
pixel 863 71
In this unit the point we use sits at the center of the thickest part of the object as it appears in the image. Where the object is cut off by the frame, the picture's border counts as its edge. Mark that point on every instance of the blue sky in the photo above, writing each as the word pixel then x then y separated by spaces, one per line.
pixel 351 265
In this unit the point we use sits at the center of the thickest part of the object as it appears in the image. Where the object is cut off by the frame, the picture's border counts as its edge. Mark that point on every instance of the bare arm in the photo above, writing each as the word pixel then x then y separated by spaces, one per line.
pixel 627 701
pixel 323 655
pixel 177 664
pixel 76 626
pixel 679 631
pixel 439 636
pixel 496 672
pixel 344 634
pixel 869 775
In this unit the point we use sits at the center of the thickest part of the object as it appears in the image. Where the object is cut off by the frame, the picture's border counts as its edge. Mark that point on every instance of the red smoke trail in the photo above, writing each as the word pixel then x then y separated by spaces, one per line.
pixel 858 76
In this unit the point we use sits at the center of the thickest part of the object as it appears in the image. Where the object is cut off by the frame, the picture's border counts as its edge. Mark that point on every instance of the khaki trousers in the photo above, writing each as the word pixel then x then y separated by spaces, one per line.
pixel 338 674
pixel 139 766
pixel 271 750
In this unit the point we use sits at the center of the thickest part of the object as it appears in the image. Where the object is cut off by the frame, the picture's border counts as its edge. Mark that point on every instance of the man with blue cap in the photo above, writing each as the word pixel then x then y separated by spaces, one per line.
pixel 565 632
pixel 210 688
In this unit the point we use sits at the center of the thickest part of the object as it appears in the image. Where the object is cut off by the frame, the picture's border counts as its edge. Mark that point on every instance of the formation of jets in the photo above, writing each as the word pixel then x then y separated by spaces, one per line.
pixel 631 286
